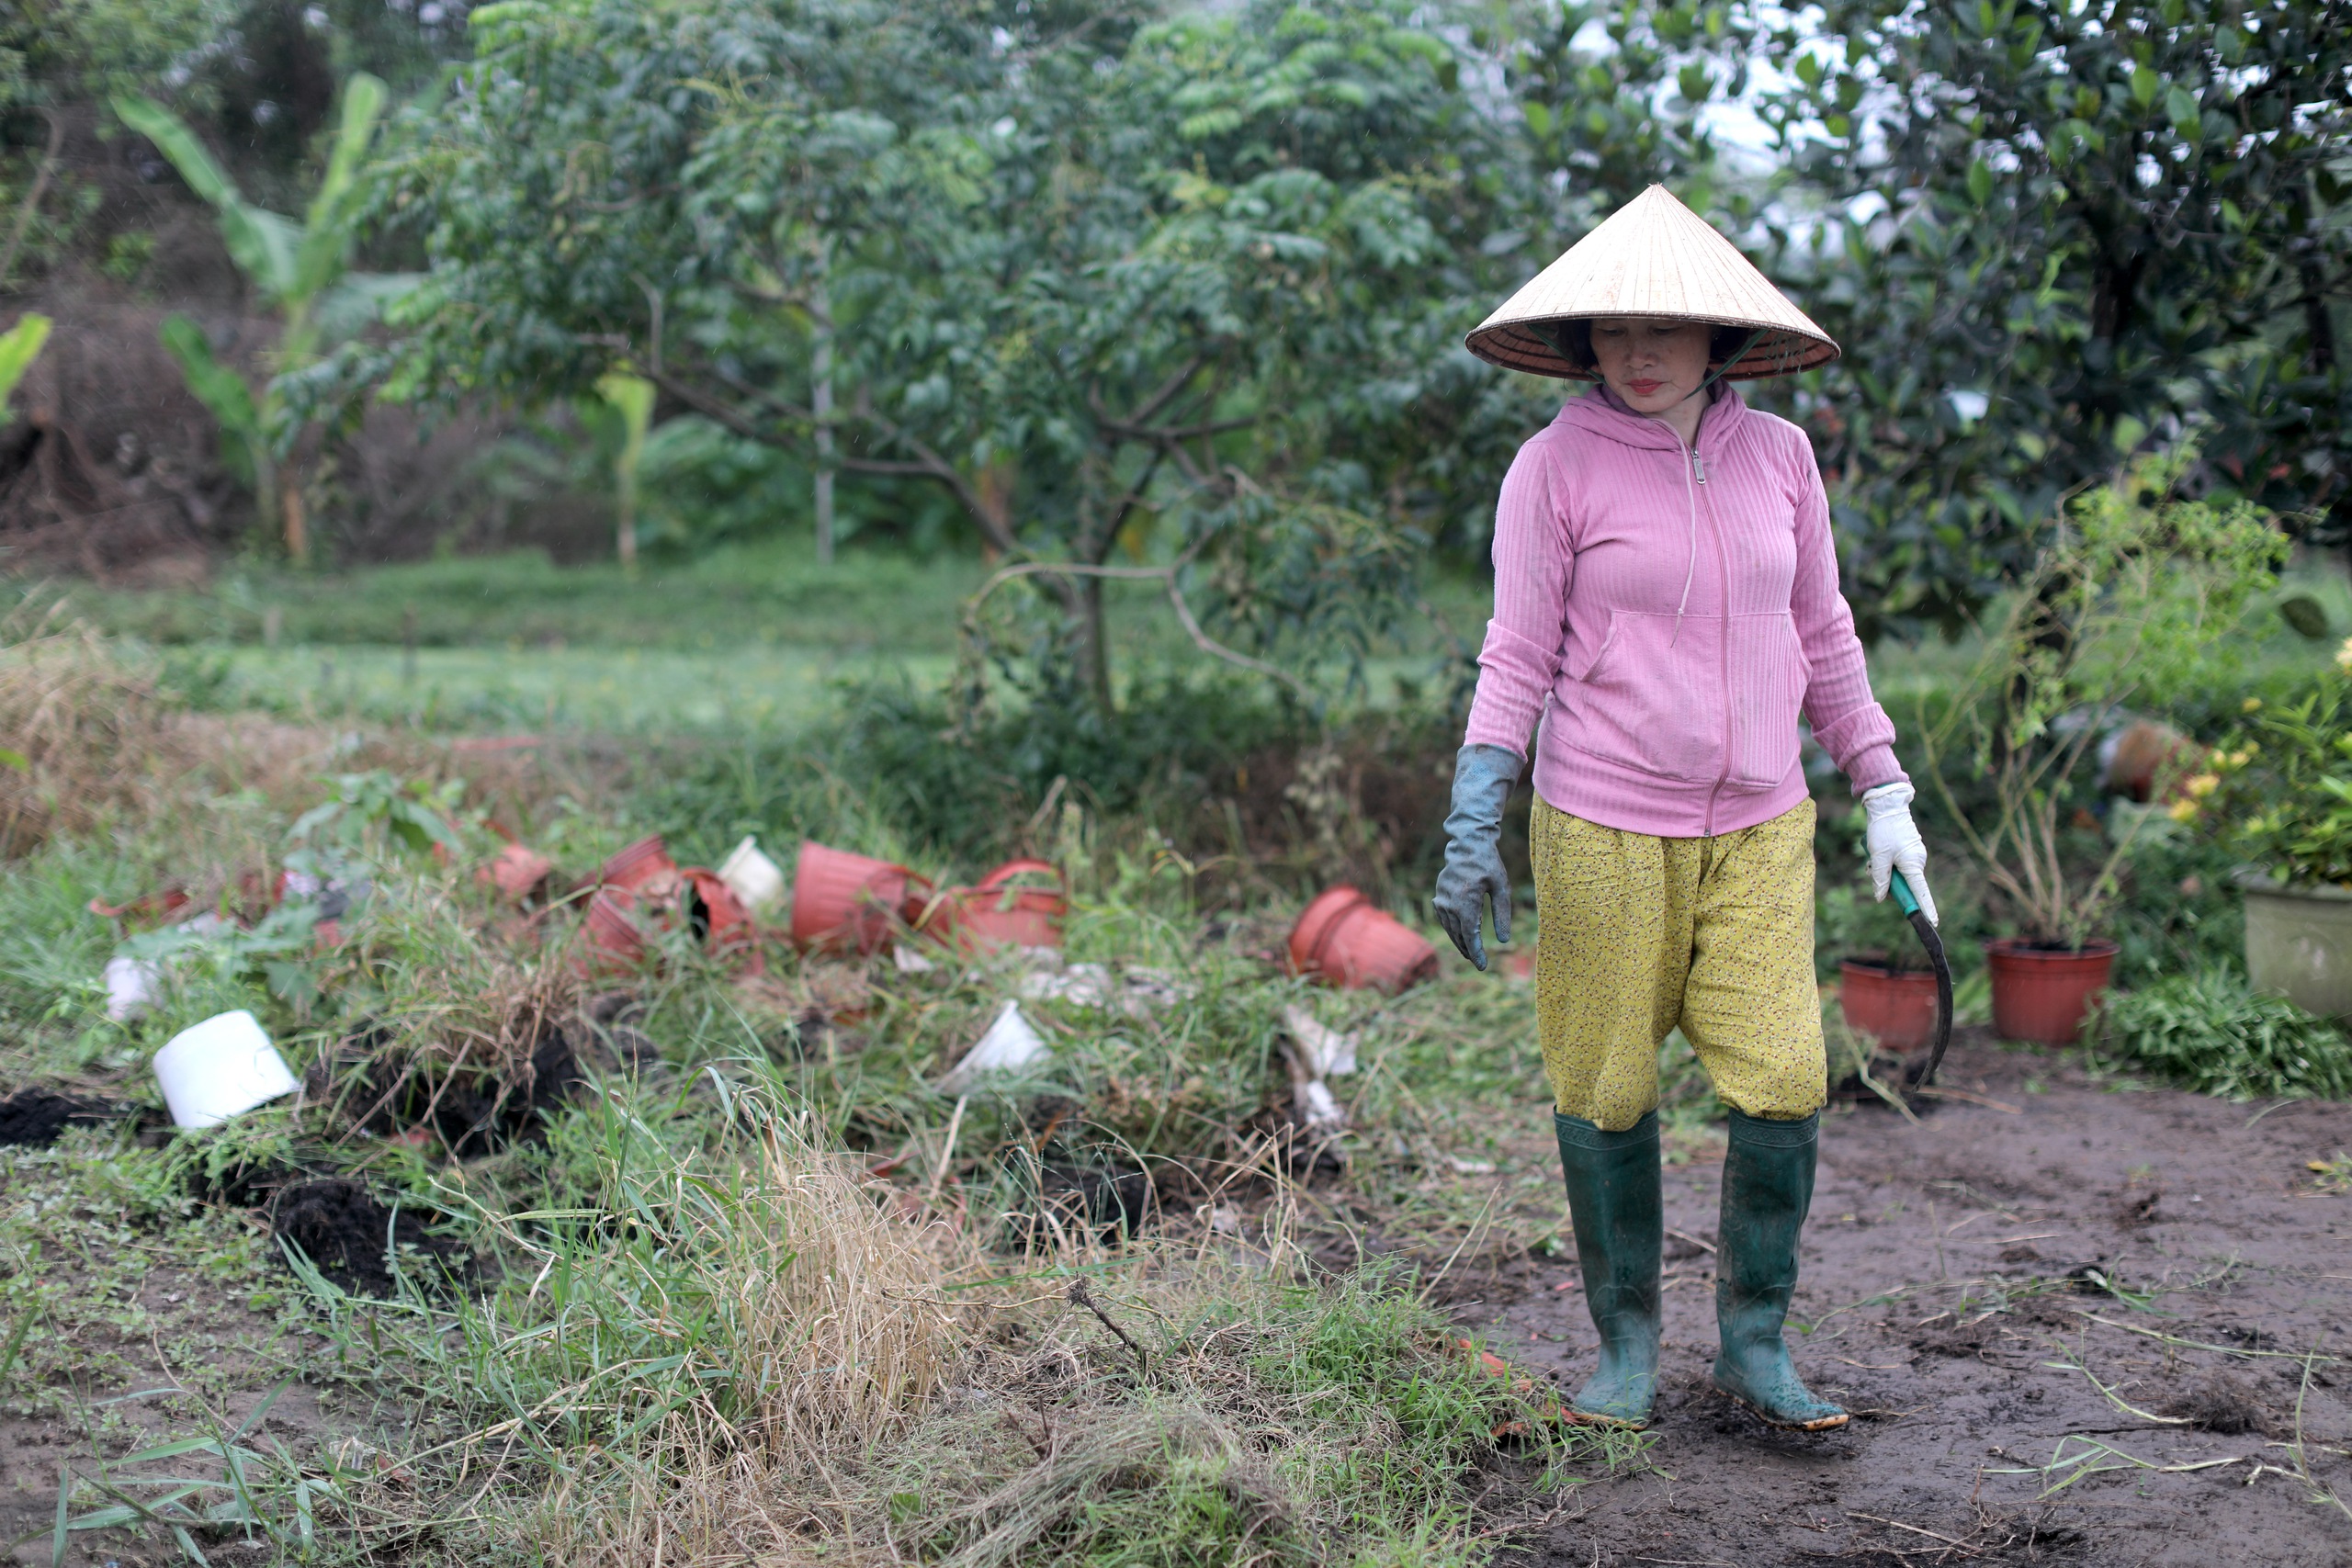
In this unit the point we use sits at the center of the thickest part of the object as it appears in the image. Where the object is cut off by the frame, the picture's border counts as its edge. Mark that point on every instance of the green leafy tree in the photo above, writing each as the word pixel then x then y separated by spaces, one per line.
pixel 1164 301
pixel 302 271
pixel 2054 232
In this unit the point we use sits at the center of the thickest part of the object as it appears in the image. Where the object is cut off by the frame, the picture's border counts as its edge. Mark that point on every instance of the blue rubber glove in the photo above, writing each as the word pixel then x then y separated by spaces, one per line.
pixel 1483 776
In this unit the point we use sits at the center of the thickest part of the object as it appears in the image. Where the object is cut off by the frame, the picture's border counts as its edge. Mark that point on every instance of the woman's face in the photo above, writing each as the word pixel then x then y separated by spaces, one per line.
pixel 1652 365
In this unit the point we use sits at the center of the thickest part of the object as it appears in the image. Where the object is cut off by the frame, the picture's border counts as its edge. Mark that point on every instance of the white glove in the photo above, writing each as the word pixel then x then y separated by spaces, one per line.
pixel 1896 844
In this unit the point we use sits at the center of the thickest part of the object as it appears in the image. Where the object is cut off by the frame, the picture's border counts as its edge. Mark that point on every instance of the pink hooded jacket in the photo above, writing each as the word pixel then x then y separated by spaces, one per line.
pixel 1666 614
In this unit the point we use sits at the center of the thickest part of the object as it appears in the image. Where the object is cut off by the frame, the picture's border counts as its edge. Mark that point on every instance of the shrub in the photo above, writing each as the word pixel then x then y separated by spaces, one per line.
pixel 2214 1033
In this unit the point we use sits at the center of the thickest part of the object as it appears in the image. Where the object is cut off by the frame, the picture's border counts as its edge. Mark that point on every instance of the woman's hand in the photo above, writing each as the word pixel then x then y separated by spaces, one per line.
pixel 1895 845
pixel 1483 776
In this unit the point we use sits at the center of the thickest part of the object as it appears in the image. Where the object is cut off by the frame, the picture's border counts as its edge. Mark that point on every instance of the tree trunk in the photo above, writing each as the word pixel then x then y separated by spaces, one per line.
pixel 625 527
pixel 1093 649
pixel 266 509
pixel 297 526
pixel 820 404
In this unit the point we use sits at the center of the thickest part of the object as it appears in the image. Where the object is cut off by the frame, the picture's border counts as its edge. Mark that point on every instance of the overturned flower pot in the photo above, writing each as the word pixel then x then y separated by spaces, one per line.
pixel 1343 939
pixel 848 903
pixel 1003 910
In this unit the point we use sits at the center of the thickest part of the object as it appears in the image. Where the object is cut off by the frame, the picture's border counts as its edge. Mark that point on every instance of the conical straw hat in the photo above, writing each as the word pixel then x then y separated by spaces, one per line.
pixel 1653 257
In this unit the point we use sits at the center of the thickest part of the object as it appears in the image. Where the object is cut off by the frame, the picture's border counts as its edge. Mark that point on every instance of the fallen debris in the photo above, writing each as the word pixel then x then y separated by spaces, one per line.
pixel 754 879
pixel 1312 1105
pixel 1328 1052
pixel 1134 991
pixel 220 1069
pixel 1010 1045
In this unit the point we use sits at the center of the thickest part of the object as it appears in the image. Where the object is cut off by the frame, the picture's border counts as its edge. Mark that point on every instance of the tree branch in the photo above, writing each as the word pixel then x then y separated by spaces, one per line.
pixel 992 524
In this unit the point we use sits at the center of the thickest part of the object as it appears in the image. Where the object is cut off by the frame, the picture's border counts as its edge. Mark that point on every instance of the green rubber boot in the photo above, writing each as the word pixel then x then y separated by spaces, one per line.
pixel 1618 1207
pixel 1768 1187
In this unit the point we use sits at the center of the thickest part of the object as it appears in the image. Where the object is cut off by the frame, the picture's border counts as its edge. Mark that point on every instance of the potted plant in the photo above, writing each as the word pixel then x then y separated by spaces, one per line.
pixel 2280 791
pixel 1885 987
pixel 2121 606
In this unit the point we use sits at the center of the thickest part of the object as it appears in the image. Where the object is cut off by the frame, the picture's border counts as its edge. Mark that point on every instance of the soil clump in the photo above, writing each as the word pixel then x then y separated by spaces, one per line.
pixel 349 1235
pixel 36 1118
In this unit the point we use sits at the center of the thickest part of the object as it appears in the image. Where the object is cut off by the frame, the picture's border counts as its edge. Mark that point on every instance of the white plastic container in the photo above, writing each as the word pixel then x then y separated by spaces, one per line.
pixel 219 1068
pixel 752 876
pixel 130 987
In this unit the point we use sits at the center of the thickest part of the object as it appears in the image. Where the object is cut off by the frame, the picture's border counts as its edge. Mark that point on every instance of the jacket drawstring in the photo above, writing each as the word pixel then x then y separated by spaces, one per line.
pixel 1691 488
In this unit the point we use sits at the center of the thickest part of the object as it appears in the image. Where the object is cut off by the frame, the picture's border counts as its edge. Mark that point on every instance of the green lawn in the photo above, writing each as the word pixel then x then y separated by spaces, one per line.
pixel 745 638
pixel 749 638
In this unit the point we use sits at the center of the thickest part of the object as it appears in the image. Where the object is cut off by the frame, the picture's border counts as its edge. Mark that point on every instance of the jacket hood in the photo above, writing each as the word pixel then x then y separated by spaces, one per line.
pixel 1600 412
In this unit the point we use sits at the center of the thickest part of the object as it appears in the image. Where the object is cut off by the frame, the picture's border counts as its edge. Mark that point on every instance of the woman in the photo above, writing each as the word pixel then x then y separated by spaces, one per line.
pixel 1667 604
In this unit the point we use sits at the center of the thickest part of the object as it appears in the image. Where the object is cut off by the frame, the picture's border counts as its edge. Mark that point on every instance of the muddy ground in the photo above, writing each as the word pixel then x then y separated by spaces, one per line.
pixel 1951 1282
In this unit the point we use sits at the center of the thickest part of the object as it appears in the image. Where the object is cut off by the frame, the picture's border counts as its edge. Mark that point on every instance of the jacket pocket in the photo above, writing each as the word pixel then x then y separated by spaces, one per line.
pixel 1767 680
pixel 1600 659
pixel 1653 697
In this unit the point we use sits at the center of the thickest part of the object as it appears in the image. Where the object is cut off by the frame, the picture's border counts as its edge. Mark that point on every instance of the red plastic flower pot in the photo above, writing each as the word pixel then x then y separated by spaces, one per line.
pixel 1343 940
pixel 1895 1006
pixel 2045 995
pixel 518 872
pixel 847 903
pixel 642 862
pixel 999 912
pixel 719 918
pixel 613 941
pixel 1315 924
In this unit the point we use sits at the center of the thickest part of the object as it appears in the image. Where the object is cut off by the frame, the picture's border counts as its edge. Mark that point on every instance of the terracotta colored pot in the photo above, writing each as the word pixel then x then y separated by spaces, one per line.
pixel 1895 1006
pixel 847 902
pixel 642 863
pixel 614 940
pixel 719 918
pixel 1315 924
pixel 998 913
pixel 2044 996
pixel 518 872
pixel 1343 940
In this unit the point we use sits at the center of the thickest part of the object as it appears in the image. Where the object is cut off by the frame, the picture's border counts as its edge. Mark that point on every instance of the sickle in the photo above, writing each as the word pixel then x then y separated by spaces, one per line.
pixel 1934 943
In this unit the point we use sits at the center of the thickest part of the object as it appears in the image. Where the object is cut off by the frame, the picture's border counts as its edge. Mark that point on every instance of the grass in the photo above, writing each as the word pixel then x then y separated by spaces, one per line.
pixel 691 1319
pixel 757 1287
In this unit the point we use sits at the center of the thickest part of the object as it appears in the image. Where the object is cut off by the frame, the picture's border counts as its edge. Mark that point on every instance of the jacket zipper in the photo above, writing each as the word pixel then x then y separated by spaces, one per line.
pixel 1722 641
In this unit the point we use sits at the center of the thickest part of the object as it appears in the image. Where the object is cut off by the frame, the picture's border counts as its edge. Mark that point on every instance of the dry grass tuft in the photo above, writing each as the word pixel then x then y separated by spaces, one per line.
pixel 92 737
pixel 82 724
pixel 769 1322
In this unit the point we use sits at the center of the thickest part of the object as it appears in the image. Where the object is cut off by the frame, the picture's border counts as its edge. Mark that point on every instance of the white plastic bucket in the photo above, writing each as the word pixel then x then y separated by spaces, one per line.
pixel 222 1068
pixel 752 876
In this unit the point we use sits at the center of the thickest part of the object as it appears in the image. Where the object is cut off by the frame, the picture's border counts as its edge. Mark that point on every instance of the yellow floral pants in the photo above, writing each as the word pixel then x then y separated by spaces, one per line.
pixel 1640 934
